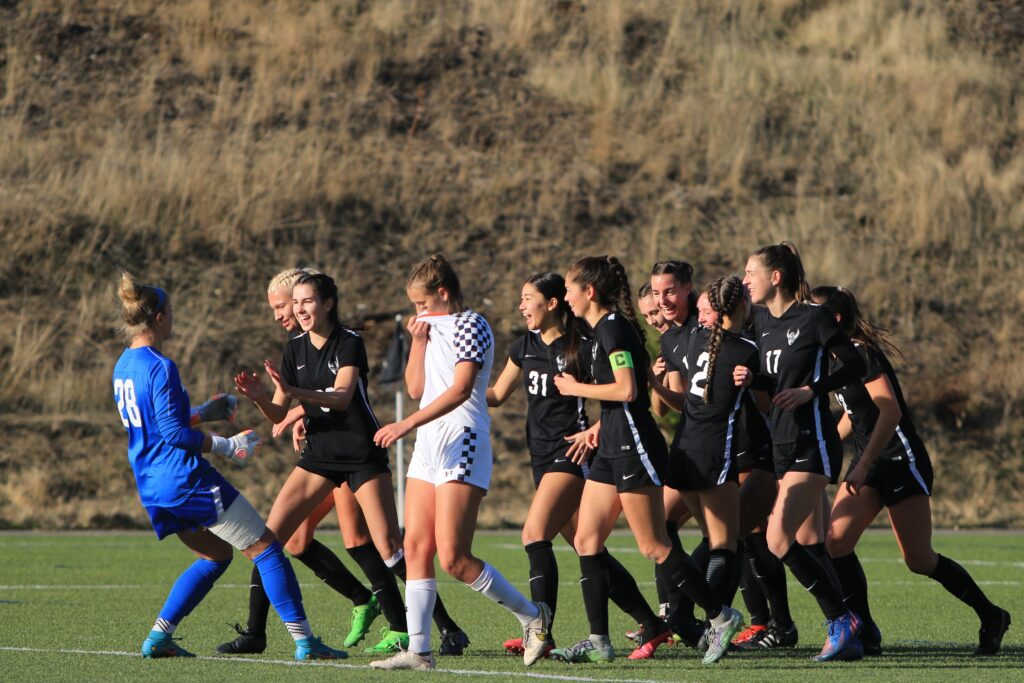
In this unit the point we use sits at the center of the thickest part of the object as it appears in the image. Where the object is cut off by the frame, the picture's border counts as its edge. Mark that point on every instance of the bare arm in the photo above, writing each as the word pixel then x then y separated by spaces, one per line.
pixel 452 397
pixel 889 416
pixel 274 409
pixel 505 386
pixel 673 392
pixel 622 389
pixel 415 376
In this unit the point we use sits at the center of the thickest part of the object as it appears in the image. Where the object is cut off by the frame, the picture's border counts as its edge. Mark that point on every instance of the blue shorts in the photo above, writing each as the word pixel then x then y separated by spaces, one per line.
pixel 200 510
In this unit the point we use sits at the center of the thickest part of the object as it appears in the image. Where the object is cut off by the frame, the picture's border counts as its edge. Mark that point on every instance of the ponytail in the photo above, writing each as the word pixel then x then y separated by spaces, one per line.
pixel 841 301
pixel 725 295
pixel 139 305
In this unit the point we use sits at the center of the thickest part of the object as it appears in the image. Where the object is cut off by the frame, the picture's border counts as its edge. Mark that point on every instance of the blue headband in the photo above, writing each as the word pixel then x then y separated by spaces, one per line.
pixel 161 299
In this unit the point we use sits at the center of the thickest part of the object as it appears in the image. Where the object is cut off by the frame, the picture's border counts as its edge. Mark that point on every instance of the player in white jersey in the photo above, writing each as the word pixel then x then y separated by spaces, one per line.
pixel 449 367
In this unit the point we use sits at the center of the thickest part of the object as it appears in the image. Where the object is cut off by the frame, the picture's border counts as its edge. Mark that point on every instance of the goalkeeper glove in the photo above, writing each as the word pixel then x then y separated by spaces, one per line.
pixel 219 407
pixel 238 448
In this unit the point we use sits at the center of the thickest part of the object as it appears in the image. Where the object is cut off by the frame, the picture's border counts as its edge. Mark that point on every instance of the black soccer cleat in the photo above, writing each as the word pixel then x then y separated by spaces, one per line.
pixel 871 639
pixel 990 635
pixel 778 636
pixel 689 629
pixel 453 643
pixel 245 644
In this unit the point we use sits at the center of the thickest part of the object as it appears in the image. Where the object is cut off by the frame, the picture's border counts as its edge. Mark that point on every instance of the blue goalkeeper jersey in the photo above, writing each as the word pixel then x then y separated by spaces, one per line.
pixel 164 451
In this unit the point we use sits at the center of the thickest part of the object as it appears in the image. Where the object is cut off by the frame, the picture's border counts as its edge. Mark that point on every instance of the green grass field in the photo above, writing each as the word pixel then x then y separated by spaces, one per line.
pixel 76 607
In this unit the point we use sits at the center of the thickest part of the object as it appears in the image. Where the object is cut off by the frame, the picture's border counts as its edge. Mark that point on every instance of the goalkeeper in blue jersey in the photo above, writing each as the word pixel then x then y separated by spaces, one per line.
pixel 181 491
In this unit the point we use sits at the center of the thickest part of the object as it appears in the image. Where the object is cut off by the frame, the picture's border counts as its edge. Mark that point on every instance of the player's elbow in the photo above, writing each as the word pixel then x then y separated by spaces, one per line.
pixel 629 394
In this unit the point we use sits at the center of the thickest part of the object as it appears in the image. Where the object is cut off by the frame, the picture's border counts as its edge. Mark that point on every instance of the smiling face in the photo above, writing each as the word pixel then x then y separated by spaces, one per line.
pixel 706 315
pixel 579 298
pixel 535 308
pixel 652 313
pixel 280 301
pixel 428 302
pixel 309 310
pixel 671 296
pixel 759 281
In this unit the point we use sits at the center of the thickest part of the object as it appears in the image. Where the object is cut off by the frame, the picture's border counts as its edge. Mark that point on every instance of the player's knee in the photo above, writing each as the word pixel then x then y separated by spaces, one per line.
pixel 297 544
pixel 779 546
pixel 653 550
pixel 457 565
pixel 533 533
pixel 838 545
pixel 921 562
pixel 586 544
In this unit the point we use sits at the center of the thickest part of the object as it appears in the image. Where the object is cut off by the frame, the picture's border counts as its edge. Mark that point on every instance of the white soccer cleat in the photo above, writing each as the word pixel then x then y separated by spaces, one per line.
pixel 536 635
pixel 406 660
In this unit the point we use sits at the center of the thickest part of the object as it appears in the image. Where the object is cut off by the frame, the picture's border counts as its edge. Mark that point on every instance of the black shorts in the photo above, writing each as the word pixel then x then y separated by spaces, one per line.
pixel 696 471
pixel 759 458
pixel 355 477
pixel 557 463
pixel 808 456
pixel 897 480
pixel 629 473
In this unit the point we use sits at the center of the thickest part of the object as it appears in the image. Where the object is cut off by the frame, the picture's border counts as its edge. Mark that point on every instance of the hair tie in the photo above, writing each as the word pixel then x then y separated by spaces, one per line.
pixel 161 299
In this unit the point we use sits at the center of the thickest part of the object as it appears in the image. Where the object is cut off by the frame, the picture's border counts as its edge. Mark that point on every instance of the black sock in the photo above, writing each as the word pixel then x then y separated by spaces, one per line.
pixel 259 604
pixel 957 581
pixel 329 569
pixel 720 574
pixel 750 588
pixel 812 576
pixel 854 585
pixel 818 551
pixel 770 573
pixel 678 600
pixel 383 584
pixel 443 620
pixel 543 574
pixel 594 582
pixel 673 536
pixel 680 572
pixel 623 591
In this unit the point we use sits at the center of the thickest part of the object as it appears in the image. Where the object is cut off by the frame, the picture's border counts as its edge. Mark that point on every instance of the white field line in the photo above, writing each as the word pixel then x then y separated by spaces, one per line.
pixel 334 665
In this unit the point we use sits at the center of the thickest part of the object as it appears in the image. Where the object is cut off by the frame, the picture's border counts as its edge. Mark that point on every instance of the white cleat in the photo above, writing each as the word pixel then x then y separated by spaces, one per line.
pixel 406 660
pixel 536 635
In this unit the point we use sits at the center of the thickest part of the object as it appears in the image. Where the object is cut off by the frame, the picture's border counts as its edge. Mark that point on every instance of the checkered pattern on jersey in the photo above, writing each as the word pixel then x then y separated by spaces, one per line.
pixel 468 450
pixel 472 337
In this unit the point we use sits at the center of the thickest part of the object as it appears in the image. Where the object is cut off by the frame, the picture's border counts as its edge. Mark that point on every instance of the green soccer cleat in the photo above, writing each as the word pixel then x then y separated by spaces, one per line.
pixel 159 644
pixel 362 620
pixel 312 648
pixel 720 637
pixel 585 651
pixel 390 642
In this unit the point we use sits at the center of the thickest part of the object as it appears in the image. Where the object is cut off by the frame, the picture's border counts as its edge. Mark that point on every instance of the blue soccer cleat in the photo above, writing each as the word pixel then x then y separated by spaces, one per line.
pixel 311 648
pixel 842 631
pixel 159 644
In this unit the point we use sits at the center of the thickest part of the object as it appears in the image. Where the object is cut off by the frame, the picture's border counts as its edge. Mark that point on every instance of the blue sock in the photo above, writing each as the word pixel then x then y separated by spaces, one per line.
pixel 280 584
pixel 189 590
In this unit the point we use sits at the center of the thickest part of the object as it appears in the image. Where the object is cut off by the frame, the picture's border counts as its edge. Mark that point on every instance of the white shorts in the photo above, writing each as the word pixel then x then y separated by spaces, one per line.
pixel 240 525
pixel 446 451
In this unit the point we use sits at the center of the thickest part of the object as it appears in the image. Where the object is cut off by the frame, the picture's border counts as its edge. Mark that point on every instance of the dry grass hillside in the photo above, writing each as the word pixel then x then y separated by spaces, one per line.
pixel 205 145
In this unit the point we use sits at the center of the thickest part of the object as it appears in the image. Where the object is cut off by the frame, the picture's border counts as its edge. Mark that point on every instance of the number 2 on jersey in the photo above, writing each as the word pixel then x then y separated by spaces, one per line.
pixel 538 383
pixel 700 379
pixel 124 392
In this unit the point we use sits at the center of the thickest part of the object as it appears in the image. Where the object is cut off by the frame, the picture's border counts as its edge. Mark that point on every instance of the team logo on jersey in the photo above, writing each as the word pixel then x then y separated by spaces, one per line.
pixel 560 362
pixel 333 365
pixel 792 336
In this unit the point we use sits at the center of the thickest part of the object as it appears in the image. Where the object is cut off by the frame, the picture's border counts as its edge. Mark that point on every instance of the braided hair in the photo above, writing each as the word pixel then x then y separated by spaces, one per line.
pixel 552 286
pixel 726 296
pixel 607 276
pixel 784 258
pixel 841 301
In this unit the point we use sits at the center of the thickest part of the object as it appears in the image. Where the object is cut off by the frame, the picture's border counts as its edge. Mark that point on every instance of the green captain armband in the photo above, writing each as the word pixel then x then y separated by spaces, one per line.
pixel 620 360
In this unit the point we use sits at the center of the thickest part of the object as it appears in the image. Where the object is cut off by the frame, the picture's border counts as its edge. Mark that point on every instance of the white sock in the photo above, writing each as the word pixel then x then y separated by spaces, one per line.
pixel 420 596
pixel 394 559
pixel 723 617
pixel 164 626
pixel 299 629
pixel 496 587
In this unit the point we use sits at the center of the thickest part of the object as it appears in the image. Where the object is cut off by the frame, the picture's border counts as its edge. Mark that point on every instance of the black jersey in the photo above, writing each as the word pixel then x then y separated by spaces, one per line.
pixel 550 416
pixel 333 437
pixel 675 342
pixel 624 425
pixel 856 401
pixel 792 354
pixel 712 427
